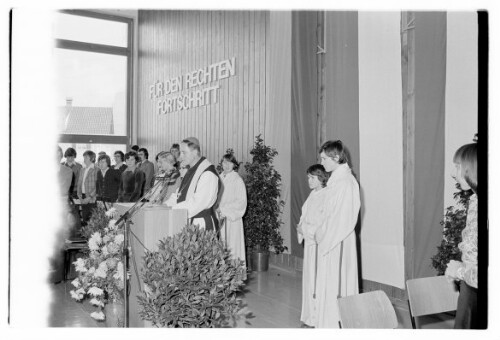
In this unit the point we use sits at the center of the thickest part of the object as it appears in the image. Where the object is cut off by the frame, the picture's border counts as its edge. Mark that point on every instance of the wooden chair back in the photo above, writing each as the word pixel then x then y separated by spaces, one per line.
pixel 431 295
pixel 367 310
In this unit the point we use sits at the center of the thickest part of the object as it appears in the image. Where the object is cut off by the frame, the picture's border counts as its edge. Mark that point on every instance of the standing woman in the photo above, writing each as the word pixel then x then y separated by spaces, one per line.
pixel 465 271
pixel 311 219
pixel 232 206
pixel 132 183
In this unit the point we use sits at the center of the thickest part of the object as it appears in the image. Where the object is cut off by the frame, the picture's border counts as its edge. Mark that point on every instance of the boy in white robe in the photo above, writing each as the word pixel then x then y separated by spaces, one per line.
pixel 313 216
pixel 337 255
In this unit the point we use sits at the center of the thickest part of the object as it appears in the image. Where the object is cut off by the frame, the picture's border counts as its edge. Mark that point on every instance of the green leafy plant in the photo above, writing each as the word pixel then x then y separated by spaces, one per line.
pixel 262 219
pixel 191 281
pixel 453 223
pixel 97 222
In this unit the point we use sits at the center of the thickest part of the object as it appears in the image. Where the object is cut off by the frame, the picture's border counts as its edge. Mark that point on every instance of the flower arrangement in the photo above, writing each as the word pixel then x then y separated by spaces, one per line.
pixel 191 281
pixel 98 221
pixel 100 272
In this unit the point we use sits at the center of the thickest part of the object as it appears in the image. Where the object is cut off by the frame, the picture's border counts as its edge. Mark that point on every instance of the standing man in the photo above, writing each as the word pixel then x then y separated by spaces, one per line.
pixel 199 187
pixel 147 167
pixel 64 176
pixel 87 185
pixel 70 155
pixel 119 161
pixel 337 274
pixel 108 181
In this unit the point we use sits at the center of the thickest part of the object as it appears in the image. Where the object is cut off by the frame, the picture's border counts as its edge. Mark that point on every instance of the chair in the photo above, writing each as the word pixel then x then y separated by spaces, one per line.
pixel 431 295
pixel 367 310
pixel 71 251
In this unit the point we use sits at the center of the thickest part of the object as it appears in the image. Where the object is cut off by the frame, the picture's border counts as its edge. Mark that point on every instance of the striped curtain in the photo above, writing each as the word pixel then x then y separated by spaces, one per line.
pixel 361 91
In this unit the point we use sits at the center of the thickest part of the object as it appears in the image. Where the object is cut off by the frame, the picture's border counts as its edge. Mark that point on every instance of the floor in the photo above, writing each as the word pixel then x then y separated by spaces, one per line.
pixel 273 297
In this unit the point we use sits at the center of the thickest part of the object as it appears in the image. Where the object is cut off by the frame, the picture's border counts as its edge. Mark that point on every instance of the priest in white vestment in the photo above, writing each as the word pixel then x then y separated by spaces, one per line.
pixel 232 207
pixel 313 216
pixel 199 187
pixel 337 255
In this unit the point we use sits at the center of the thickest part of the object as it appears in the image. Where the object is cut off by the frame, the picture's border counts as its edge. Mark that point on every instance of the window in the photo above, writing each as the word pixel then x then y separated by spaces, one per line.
pixel 93 62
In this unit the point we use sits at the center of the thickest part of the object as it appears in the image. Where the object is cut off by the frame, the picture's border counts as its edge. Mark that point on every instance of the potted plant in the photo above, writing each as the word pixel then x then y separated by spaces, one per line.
pixel 262 219
pixel 191 281
pixel 100 271
pixel 453 223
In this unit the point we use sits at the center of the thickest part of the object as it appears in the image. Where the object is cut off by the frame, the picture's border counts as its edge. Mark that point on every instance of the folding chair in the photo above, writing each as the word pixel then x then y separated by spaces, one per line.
pixel 367 310
pixel 431 295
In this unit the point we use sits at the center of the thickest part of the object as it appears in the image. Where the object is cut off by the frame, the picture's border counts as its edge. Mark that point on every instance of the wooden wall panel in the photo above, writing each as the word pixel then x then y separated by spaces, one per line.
pixel 172 43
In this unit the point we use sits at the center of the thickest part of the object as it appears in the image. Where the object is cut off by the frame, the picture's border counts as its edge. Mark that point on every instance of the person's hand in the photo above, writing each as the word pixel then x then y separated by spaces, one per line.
pixel 452 270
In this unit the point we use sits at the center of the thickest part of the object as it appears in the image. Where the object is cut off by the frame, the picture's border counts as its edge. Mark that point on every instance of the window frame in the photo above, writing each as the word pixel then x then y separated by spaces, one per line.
pixel 110 50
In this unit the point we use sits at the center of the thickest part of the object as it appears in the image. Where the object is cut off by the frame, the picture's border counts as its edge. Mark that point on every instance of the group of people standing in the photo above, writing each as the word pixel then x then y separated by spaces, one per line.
pixel 329 217
pixel 184 180
pixel 327 228
pixel 127 180
pixel 187 180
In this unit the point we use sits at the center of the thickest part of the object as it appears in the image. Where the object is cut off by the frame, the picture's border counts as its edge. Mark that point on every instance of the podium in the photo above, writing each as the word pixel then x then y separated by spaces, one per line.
pixel 150 224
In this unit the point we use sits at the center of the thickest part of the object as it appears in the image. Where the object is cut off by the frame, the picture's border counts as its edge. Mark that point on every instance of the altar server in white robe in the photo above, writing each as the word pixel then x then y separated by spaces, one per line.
pixel 232 207
pixel 313 216
pixel 199 187
pixel 337 255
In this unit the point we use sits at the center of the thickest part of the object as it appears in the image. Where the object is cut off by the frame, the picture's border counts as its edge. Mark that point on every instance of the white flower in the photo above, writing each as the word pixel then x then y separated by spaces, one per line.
pixel 91 270
pixel 119 239
pixel 94 291
pixel 75 296
pixel 111 263
pixel 112 225
pixel 112 212
pixel 105 251
pixel 97 303
pixel 98 315
pixel 119 271
pixel 113 248
pixel 102 271
pixel 94 241
pixel 80 265
pixel 106 239
pixel 76 283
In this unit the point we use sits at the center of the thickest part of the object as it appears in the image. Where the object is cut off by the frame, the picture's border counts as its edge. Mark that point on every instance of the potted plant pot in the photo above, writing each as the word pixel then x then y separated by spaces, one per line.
pixel 260 260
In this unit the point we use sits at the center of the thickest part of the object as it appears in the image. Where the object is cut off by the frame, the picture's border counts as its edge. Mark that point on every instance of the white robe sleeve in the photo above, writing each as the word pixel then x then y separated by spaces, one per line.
pixel 204 196
pixel 343 205
pixel 235 205
pixel 300 230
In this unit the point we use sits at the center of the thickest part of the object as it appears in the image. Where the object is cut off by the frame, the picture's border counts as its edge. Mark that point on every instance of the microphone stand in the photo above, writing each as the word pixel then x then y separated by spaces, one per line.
pixel 125 219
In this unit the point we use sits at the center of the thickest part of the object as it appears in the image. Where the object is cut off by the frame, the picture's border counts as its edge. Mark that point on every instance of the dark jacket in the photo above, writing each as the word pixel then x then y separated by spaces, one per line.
pixel 107 187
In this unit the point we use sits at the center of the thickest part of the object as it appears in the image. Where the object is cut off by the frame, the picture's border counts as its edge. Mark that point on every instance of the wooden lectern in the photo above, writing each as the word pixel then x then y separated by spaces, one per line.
pixel 150 224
